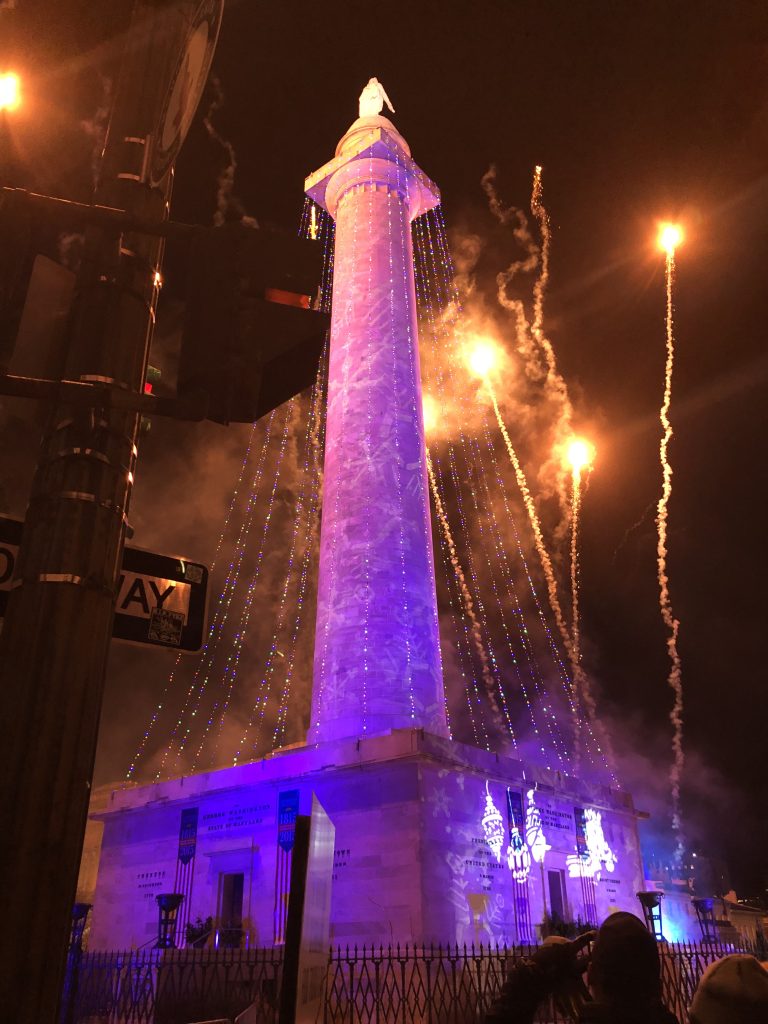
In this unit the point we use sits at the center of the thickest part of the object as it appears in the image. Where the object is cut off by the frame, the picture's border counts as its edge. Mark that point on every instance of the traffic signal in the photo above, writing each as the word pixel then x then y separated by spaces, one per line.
pixel 251 338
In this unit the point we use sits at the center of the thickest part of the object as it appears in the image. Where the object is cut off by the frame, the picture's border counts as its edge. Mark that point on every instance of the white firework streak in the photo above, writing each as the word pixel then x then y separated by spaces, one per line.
pixel 673 626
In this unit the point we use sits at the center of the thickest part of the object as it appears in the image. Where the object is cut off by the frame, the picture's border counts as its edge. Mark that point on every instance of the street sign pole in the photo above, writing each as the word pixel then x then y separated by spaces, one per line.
pixel 55 639
pixel 161 600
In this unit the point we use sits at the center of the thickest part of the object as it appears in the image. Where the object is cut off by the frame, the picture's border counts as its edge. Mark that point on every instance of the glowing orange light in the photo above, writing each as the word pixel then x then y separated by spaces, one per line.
pixel 429 409
pixel 158 279
pixel 580 454
pixel 481 357
pixel 10 91
pixel 670 237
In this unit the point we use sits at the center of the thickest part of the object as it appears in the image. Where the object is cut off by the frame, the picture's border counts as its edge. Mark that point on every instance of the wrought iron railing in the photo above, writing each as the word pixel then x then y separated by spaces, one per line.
pixel 369 985
pixel 417 985
pixel 682 965
pixel 175 986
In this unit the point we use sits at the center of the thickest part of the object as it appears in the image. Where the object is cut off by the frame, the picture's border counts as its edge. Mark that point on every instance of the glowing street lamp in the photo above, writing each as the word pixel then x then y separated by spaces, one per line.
pixel 10 91
pixel 669 238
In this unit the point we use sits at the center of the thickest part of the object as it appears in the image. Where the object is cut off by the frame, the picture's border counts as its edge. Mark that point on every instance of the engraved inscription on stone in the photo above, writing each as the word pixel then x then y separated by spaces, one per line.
pixel 239 816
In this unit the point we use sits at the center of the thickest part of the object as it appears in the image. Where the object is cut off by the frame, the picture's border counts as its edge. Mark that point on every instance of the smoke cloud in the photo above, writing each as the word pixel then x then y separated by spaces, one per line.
pixel 228 205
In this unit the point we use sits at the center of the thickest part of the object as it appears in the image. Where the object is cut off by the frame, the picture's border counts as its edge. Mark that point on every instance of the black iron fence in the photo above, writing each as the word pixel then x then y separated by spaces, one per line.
pixel 372 985
pixel 174 986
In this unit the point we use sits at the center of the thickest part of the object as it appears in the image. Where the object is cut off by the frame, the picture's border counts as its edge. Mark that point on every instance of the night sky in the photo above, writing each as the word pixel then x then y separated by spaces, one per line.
pixel 637 113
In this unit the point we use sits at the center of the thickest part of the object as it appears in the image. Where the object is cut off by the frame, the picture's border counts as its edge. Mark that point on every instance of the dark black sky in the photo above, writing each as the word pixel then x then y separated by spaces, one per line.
pixel 637 112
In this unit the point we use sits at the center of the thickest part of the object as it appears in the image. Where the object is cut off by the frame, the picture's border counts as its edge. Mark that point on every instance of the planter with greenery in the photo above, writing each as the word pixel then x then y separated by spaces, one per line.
pixel 198 932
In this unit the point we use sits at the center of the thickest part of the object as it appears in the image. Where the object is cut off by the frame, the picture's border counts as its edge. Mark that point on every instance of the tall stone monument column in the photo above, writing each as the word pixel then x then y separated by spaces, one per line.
pixel 377 653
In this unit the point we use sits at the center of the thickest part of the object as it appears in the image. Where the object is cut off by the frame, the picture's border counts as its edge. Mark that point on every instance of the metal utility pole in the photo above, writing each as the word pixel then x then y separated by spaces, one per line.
pixel 55 640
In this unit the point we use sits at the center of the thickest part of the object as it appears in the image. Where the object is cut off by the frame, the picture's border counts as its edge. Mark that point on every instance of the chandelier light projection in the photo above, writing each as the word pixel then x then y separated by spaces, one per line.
pixel 509 683
pixel 534 833
pixel 595 854
pixel 493 825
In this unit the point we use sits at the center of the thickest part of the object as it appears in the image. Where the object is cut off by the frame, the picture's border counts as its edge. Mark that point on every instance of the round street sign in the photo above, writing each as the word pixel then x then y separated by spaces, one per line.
pixel 186 86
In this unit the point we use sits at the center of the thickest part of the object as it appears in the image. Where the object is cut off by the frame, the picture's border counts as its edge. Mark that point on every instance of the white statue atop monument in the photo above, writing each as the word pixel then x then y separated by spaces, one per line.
pixel 372 99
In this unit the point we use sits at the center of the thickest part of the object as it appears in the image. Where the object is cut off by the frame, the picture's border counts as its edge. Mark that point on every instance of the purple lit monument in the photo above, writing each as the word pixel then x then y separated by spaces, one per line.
pixel 377 651
pixel 436 841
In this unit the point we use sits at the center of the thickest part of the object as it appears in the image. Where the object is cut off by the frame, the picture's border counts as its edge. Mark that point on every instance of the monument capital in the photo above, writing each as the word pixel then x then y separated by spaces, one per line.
pixel 372 153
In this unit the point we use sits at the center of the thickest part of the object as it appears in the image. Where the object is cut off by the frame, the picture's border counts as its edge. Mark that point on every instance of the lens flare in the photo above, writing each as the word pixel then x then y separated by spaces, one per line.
pixel 670 237
pixel 580 454
pixel 481 357
pixel 10 91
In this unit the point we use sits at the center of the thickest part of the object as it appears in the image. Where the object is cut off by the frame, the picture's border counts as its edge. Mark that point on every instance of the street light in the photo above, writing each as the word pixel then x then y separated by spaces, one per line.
pixel 10 91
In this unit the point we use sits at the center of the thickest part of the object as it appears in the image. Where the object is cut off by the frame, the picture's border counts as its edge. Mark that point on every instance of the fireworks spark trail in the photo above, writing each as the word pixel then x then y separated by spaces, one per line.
pixel 670 236
pixel 469 605
pixel 575 623
pixel 226 201
pixel 532 342
pixel 485 356
pixel 96 127
pixel 580 457
pixel 581 687
pixel 533 516
pixel 554 384
pixel 539 211
pixel 511 215
pixel 554 380
pixel 463 637
pixel 631 529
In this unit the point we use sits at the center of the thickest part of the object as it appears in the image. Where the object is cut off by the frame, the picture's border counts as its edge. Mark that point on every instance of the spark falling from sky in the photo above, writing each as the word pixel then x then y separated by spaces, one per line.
pixel 670 237
pixel 580 456
pixel 542 281
pixel 469 605
pixel 481 364
pixel 533 516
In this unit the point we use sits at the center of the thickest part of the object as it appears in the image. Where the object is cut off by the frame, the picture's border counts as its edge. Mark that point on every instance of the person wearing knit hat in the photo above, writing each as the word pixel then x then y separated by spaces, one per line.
pixel 625 975
pixel 733 990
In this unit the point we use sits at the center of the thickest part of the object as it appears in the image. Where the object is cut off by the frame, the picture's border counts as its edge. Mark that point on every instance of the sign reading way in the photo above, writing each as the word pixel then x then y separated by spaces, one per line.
pixel 161 600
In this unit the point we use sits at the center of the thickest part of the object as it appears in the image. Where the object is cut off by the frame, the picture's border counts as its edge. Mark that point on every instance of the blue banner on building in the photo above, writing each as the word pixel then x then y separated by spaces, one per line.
pixel 287 812
pixel 188 834
pixel 516 818
pixel 582 849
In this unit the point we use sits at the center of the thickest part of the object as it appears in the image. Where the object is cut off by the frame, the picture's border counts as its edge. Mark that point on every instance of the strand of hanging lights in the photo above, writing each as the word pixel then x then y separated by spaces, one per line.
pixel 433 262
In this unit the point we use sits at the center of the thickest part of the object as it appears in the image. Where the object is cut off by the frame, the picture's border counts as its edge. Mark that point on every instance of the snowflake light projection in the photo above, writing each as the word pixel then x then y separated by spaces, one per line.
pixel 598 853
pixel 493 825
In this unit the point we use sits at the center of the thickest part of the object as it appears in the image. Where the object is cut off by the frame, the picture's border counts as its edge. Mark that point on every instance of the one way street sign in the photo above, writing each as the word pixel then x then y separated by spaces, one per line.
pixel 161 600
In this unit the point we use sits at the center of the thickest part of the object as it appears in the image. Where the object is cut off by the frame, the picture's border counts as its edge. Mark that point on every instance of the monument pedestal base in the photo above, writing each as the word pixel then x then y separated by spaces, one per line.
pixel 435 842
